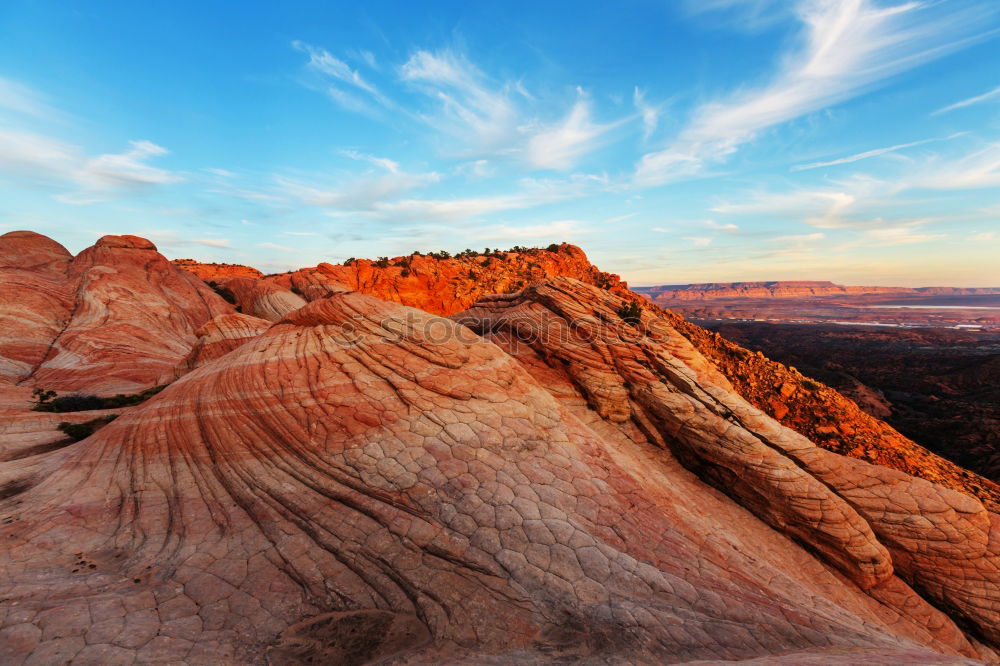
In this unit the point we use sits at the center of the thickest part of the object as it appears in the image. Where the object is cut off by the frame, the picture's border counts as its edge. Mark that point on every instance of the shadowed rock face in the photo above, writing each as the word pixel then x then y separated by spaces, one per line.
pixel 262 298
pixel 220 336
pixel 366 481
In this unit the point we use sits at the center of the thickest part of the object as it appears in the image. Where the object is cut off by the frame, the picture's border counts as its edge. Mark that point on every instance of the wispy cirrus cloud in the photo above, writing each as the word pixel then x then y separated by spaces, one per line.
pixel 746 14
pixel 650 114
pixel 847 47
pixel 473 115
pixel 561 146
pixel 127 169
pixel 899 235
pixel 857 157
pixel 21 99
pixel 469 106
pixel 360 192
pixel 213 242
pixel 530 193
pixel 345 86
pixel 993 94
pixel 45 160
pixel 275 246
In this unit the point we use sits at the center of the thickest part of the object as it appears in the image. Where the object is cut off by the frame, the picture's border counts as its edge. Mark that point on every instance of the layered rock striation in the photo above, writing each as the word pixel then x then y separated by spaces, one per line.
pixel 365 481
pixel 116 318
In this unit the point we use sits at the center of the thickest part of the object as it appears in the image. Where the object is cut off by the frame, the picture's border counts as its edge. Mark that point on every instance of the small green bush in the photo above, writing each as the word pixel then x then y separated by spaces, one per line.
pixel 631 313
pixel 78 402
pixel 78 431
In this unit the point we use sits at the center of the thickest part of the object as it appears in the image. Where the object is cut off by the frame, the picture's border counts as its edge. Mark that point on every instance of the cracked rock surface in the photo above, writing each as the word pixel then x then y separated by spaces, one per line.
pixel 364 481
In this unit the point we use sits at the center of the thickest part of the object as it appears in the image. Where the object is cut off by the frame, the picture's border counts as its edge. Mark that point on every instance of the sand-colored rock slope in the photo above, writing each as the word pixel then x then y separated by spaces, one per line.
pixel 365 482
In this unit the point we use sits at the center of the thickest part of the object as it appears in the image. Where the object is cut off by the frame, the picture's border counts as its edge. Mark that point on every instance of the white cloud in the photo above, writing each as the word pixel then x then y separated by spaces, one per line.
pixel 819 208
pixel 980 169
pixel 30 155
pixel 127 169
pixel 476 169
pixel 862 156
pixel 481 115
pixel 650 114
pixel 900 235
pixel 213 242
pixel 531 193
pixel 984 236
pixel 969 102
pixel 275 246
pixel 558 230
pixel 561 146
pixel 800 239
pixel 619 218
pixel 323 62
pixel 699 241
pixel 728 228
pixel 848 47
pixel 21 99
pixel 360 192
pixel 46 160
pixel 383 162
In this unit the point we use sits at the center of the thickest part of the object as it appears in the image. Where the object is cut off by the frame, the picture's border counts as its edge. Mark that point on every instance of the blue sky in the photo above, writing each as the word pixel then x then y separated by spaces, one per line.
pixel 710 140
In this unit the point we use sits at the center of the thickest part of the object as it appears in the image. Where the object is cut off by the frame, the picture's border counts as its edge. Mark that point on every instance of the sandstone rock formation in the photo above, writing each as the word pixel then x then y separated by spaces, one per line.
pixel 334 478
pixel 36 300
pixel 262 298
pixel 445 286
pixel 208 272
pixel 942 541
pixel 116 318
pixel 364 481
pixel 436 285
pixel 220 336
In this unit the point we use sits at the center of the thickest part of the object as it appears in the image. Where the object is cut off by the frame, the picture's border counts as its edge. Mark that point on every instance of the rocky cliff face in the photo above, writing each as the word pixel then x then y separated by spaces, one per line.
pixel 534 479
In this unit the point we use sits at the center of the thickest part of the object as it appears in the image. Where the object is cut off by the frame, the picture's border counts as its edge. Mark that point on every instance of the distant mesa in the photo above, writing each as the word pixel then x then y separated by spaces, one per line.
pixel 662 294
